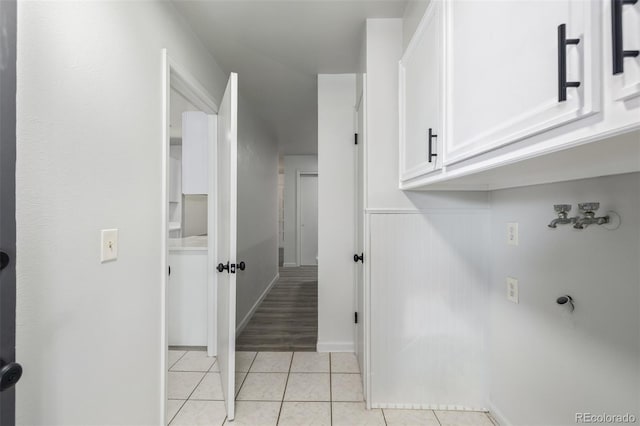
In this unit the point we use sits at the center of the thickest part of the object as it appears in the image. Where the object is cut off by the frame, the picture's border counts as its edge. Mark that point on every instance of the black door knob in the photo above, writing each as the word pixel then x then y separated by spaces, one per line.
pixel 221 267
pixel 4 260
pixel 241 266
pixel 357 258
pixel 10 373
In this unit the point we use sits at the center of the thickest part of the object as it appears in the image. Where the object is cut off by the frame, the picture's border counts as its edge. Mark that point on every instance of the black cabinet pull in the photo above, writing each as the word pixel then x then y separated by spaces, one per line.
pixel 431 137
pixel 563 41
pixel 616 36
pixel 221 267
pixel 359 258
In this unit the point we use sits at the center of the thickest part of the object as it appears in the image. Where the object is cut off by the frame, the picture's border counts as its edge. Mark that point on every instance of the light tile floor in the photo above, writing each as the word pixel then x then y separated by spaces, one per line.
pixel 287 389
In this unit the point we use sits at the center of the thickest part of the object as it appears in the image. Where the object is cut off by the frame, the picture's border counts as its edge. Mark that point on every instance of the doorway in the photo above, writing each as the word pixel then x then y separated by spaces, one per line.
pixel 187 233
pixel 307 197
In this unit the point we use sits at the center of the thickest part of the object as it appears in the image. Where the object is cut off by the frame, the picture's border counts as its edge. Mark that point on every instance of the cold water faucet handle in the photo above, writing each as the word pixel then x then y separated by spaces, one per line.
pixel 589 208
pixel 562 209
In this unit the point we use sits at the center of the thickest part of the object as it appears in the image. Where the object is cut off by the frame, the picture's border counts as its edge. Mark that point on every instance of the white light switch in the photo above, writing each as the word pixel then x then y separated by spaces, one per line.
pixel 109 245
pixel 512 233
pixel 512 289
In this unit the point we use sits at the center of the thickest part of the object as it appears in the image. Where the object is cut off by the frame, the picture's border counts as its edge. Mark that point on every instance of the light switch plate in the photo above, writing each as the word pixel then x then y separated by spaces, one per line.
pixel 512 289
pixel 512 233
pixel 109 245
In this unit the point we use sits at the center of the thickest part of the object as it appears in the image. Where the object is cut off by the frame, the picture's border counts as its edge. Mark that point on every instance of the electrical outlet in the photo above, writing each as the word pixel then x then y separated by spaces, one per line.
pixel 512 233
pixel 512 289
pixel 109 245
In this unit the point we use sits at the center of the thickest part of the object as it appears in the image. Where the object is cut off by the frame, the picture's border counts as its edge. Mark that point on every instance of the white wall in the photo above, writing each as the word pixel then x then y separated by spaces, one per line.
pixel 90 147
pixel 257 210
pixel 383 51
pixel 413 12
pixel 542 356
pixel 462 388
pixel 293 164
pixel 336 198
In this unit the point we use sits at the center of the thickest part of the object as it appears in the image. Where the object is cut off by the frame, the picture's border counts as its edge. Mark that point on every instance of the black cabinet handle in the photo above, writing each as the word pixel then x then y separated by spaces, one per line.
pixel 616 36
pixel 431 137
pixel 563 41
pixel 241 266
pixel 221 267
pixel 357 258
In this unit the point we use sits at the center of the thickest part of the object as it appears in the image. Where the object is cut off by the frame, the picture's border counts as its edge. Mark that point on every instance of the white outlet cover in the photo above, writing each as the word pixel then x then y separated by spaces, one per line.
pixel 512 290
pixel 512 233
pixel 108 245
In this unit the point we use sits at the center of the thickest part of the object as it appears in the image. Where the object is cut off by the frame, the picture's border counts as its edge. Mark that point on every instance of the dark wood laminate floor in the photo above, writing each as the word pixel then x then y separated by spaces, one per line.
pixel 287 319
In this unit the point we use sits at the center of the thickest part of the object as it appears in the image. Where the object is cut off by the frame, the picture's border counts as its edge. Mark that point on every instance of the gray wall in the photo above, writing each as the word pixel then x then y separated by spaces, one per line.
pixel 257 208
pixel 194 218
pixel 547 364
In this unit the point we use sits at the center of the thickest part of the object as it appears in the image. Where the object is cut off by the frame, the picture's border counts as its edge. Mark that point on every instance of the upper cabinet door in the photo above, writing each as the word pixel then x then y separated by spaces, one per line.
pixel 421 98
pixel 195 152
pixel 505 70
pixel 624 45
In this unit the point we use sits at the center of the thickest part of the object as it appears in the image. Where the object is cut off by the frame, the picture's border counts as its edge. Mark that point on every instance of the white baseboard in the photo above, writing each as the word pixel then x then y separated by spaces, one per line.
pixel 289 265
pixel 440 407
pixel 336 347
pixel 253 309
pixel 497 415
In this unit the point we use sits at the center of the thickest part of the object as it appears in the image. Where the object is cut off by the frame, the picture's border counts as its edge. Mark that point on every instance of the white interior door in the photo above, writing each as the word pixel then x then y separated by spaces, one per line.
pixel 226 239
pixel 359 238
pixel 308 219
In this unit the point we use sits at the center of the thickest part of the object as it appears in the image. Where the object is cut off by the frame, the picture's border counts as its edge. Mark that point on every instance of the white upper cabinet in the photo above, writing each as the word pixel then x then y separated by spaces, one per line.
pixel 505 76
pixel 624 45
pixel 195 157
pixel 421 97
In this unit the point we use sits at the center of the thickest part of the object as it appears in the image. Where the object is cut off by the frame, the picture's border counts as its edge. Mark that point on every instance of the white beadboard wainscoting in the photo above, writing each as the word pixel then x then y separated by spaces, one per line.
pixel 428 295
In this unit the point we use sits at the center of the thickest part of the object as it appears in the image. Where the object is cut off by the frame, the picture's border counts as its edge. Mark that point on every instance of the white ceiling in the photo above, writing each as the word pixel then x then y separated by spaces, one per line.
pixel 278 48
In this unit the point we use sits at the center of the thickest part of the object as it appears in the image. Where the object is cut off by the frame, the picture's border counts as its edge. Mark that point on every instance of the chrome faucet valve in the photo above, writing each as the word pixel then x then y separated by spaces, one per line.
pixel 588 211
pixel 589 208
pixel 562 210
pixel 563 215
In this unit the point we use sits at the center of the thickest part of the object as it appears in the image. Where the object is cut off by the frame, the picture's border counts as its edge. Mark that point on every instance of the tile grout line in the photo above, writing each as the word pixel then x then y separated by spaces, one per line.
pixel 176 361
pixel 436 416
pixel 244 379
pixel 176 414
pixel 330 392
pixel 204 374
pixel 384 418
pixel 286 384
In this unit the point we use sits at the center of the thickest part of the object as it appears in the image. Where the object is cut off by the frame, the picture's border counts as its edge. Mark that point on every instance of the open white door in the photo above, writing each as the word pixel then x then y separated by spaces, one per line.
pixel 360 256
pixel 226 240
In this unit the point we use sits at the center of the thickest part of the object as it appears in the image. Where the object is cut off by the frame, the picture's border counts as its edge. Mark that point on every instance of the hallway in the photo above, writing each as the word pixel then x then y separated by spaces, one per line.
pixel 287 319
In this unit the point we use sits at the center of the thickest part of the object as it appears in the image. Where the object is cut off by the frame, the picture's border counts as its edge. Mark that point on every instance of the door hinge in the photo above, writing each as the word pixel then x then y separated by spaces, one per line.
pixel 356 317
pixel 356 138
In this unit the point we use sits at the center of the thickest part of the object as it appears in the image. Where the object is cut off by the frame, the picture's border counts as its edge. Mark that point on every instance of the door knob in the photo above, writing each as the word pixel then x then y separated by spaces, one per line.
pixel 357 258
pixel 10 373
pixel 4 260
pixel 221 267
pixel 241 266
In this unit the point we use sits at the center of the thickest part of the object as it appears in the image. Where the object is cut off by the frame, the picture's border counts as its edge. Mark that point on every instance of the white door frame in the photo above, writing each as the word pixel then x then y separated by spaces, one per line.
pixel 176 77
pixel 299 175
